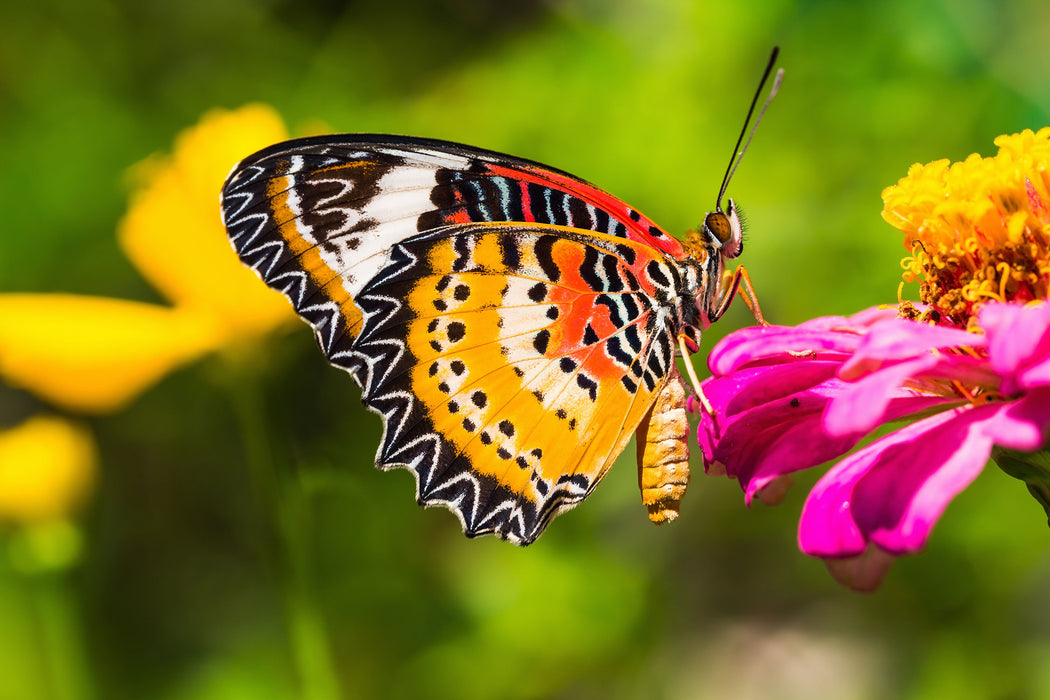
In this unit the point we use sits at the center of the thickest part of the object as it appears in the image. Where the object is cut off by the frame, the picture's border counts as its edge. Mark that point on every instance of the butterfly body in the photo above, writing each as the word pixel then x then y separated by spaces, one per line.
pixel 512 324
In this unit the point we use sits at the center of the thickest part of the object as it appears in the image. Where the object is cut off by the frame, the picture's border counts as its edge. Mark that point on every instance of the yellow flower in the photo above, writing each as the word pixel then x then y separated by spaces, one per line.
pixel 47 467
pixel 979 229
pixel 95 353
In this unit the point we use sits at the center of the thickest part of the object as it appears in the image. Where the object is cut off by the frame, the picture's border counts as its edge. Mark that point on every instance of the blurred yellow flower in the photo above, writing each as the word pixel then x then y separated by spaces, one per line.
pixel 47 467
pixel 95 353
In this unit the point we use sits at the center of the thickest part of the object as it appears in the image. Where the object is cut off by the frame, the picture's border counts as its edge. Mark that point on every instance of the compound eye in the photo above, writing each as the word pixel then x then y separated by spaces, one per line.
pixel 718 224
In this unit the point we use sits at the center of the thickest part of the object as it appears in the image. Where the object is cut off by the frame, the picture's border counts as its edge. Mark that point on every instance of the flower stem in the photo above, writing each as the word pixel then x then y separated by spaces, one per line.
pixel 41 558
pixel 283 496
pixel 61 637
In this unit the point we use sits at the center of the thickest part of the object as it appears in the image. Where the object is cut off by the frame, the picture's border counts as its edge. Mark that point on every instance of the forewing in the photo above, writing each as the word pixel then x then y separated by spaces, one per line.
pixel 511 363
pixel 316 217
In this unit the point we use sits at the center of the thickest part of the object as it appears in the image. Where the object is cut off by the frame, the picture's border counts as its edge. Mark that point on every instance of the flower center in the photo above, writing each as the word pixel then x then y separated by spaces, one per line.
pixel 978 229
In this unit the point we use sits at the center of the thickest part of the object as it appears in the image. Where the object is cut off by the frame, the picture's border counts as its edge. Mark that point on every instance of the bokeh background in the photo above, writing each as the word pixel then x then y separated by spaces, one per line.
pixel 230 537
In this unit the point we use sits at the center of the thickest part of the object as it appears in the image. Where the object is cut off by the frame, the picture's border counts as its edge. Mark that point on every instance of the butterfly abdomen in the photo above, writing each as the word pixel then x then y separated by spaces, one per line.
pixel 663 452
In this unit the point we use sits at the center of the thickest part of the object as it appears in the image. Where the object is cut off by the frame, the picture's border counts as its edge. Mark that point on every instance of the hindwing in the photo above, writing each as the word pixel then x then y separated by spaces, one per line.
pixel 511 363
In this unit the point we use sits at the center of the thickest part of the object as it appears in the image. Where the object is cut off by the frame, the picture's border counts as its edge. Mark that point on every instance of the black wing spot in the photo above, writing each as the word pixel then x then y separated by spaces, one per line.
pixel 544 250
pixel 461 292
pixel 626 252
pixel 432 326
pixel 510 253
pixel 567 364
pixel 589 336
pixel 553 313
pixel 588 385
pixel 457 367
pixel 456 331
pixel 462 248
pixel 656 274
pixel 541 341
pixel 479 398
pixel 538 292
pixel 468 425
pixel 506 427
pixel 502 453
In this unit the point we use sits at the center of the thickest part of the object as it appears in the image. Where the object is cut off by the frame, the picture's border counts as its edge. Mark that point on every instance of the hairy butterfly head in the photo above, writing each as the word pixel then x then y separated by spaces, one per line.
pixel 723 231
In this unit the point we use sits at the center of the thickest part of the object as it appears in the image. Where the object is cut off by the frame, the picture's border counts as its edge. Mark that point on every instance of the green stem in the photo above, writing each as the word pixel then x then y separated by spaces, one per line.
pixel 61 636
pixel 283 496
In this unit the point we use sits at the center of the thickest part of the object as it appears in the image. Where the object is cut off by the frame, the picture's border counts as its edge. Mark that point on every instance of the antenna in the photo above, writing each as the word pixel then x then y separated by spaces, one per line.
pixel 738 154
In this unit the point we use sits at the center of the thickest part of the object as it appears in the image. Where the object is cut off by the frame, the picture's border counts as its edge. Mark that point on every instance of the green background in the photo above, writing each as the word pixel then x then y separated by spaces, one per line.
pixel 199 579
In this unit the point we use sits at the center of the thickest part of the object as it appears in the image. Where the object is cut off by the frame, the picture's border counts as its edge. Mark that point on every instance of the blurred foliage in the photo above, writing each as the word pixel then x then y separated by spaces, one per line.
pixel 240 545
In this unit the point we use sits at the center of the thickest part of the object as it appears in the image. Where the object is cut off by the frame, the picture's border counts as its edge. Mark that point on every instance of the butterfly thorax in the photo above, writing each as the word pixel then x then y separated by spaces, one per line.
pixel 707 248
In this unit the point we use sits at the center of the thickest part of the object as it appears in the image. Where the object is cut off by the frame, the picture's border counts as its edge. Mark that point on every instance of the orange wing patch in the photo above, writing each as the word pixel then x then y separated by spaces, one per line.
pixel 516 349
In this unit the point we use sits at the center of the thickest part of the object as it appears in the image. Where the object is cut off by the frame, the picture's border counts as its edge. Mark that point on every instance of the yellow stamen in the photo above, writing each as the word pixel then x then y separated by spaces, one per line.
pixel 978 229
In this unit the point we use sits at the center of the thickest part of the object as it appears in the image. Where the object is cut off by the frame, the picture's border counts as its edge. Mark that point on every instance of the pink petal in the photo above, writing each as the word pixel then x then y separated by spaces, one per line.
pixel 892 492
pixel 1023 424
pixel 777 438
pixel 863 573
pixel 900 339
pixel 857 323
pixel 875 314
pixel 1018 343
pixel 780 343
pixel 862 405
pixel 789 434
pixel 747 388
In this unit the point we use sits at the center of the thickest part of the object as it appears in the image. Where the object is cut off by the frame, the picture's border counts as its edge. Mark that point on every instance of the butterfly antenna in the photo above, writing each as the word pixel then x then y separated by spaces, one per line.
pixel 738 154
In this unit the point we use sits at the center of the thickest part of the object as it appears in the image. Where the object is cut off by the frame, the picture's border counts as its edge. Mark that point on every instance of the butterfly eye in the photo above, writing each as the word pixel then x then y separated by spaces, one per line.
pixel 718 224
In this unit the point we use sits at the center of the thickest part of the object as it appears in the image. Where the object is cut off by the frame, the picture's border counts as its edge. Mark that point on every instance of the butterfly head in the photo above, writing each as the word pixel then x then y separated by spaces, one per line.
pixel 724 232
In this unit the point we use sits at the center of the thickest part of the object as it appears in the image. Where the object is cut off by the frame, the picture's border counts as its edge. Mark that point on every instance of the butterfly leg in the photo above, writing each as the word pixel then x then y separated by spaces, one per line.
pixel 732 282
pixel 693 378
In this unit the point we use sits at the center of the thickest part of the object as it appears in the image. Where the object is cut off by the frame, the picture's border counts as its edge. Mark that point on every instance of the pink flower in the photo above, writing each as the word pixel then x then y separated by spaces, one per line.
pixel 788 398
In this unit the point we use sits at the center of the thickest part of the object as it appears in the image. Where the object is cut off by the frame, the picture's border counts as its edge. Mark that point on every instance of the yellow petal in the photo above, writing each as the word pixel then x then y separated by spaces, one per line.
pixel 94 353
pixel 173 231
pixel 47 467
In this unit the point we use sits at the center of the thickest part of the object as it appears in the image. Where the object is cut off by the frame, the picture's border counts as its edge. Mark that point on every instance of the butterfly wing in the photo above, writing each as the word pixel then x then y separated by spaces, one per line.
pixel 375 239
pixel 511 363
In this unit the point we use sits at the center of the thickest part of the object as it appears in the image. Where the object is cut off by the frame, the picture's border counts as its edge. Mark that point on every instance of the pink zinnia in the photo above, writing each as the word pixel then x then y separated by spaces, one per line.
pixel 969 370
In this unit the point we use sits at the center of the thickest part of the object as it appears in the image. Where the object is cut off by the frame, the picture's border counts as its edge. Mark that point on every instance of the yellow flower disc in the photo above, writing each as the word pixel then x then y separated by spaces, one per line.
pixel 978 229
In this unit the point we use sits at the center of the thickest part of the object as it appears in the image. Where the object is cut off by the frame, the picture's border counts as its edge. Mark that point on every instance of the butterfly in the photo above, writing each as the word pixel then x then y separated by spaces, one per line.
pixel 512 324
